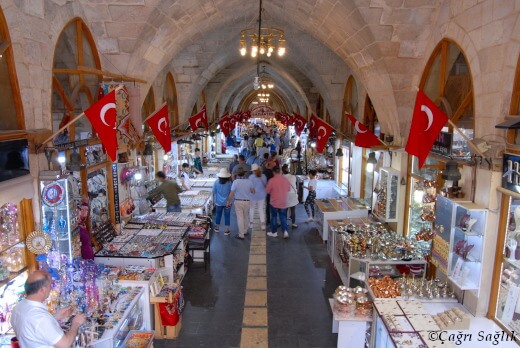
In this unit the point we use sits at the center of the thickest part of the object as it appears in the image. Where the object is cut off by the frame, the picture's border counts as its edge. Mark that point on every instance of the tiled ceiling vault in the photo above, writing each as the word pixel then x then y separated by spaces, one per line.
pixel 384 44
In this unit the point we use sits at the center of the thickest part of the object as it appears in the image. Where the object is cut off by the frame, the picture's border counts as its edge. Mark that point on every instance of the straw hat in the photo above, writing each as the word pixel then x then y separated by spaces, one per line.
pixel 255 167
pixel 224 173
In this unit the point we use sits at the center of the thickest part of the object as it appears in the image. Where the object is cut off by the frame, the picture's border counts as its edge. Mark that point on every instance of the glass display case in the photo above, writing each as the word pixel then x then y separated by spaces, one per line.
pixel 346 172
pixel 506 287
pixel 458 245
pixel 421 200
pixel 97 192
pixel 60 216
pixel 387 195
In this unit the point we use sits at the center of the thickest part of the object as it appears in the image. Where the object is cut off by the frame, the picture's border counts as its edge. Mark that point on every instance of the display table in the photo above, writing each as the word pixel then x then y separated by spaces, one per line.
pixel 333 209
pixel 193 201
pixel 203 183
pixel 350 328
pixel 413 332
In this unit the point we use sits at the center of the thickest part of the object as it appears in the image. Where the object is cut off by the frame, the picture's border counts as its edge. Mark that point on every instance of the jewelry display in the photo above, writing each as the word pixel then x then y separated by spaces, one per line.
pixel 452 319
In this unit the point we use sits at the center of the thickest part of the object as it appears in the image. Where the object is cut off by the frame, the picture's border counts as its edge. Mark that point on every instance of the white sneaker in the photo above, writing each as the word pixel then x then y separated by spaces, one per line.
pixel 309 219
pixel 294 225
pixel 286 234
pixel 271 234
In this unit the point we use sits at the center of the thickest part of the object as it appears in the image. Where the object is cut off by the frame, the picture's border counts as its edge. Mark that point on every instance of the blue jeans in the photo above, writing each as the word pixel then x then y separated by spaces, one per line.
pixel 176 208
pixel 274 217
pixel 227 215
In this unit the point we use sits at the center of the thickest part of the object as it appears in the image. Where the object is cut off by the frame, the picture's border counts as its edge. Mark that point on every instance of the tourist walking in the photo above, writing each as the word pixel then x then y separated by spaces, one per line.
pixel 233 163
pixel 241 165
pixel 241 191
pixel 221 191
pixel 197 162
pixel 309 202
pixel 259 181
pixel 292 195
pixel 277 188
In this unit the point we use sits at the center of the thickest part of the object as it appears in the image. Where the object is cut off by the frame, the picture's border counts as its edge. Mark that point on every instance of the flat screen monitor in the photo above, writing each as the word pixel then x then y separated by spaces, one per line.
pixel 14 159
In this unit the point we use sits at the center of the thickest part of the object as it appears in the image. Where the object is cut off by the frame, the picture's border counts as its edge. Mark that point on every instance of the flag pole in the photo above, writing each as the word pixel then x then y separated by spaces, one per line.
pixel 153 113
pixel 470 143
pixel 72 121
pixel 62 128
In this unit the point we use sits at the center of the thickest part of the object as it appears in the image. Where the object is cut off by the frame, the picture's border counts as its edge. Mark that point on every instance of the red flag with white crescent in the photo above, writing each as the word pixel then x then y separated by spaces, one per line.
pixel 159 123
pixel 312 125
pixel 102 117
pixel 299 123
pixel 364 137
pixel 323 132
pixel 225 125
pixel 427 122
pixel 199 119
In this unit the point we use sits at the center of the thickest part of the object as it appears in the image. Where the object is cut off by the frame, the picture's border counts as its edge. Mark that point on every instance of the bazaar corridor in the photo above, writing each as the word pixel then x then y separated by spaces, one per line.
pixel 261 292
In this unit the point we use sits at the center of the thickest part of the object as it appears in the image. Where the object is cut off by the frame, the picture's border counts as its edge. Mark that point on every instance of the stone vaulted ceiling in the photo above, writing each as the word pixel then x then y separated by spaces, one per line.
pixel 381 42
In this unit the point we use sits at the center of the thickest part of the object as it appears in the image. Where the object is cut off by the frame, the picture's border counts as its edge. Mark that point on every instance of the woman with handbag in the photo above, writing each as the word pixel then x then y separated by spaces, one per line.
pixel 292 195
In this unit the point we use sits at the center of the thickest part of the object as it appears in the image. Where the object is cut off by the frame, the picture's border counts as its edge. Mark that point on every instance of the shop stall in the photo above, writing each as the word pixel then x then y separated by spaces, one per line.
pixel 342 208
pixel 197 202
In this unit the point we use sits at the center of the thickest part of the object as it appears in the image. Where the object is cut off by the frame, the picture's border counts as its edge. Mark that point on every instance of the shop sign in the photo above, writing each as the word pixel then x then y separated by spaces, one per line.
pixel 442 145
pixel 511 172
pixel 262 112
pixel 71 145
pixel 115 185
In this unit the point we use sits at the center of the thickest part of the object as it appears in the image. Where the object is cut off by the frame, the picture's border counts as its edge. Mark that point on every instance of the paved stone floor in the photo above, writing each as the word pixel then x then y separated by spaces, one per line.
pixel 260 292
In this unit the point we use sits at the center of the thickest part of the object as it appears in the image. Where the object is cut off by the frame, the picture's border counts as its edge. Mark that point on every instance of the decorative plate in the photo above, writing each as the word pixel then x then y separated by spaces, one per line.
pixel 53 194
pixel 38 242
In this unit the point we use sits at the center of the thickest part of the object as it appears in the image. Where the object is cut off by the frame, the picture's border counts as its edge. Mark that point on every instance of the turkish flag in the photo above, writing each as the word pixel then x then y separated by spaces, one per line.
pixel 289 119
pixel 225 125
pixel 427 123
pixel 364 137
pixel 102 117
pixel 159 123
pixel 299 123
pixel 198 119
pixel 323 132
pixel 312 127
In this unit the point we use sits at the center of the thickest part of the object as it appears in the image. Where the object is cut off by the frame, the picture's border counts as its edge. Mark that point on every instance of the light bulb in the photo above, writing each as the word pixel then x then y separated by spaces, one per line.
pixel 254 48
pixel 270 85
pixel 262 50
pixel 281 51
pixel 268 54
pixel 313 144
pixel 253 54
pixel 418 196
pixel 370 167
pixel 270 49
pixel 61 159
pixel 165 157
pixel 138 176
pixel 243 51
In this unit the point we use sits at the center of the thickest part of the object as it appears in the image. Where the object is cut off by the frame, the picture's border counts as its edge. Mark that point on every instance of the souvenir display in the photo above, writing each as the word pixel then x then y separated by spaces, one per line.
pixel 97 191
pixel 387 191
pixel 38 242
pixel 410 287
pixel 60 218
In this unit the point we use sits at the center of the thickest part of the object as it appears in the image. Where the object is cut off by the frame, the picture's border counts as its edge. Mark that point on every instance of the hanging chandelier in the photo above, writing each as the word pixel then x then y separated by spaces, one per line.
pixel 263 80
pixel 262 40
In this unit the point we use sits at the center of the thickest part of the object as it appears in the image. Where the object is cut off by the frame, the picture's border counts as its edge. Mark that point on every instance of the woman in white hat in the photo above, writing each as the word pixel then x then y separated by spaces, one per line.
pixel 259 181
pixel 221 190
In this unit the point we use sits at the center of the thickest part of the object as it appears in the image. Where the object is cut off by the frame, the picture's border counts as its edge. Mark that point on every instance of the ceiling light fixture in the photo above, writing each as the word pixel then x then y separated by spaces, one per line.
pixel 262 40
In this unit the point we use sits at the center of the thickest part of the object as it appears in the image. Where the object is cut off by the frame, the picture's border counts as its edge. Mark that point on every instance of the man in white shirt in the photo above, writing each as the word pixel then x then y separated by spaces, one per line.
pixel 187 183
pixel 34 326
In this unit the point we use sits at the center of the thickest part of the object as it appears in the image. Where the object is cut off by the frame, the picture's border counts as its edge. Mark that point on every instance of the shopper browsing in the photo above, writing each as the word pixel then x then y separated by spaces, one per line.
pixel 170 191
pixel 292 195
pixel 277 188
pixel 221 191
pixel 259 181
pixel 187 183
pixel 312 194
pixel 241 191
pixel 34 325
